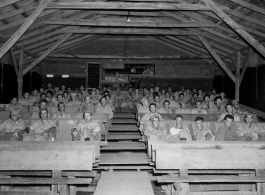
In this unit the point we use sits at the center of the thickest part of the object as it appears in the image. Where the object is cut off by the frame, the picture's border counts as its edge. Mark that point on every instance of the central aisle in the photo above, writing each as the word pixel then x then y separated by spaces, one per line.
pixel 124 183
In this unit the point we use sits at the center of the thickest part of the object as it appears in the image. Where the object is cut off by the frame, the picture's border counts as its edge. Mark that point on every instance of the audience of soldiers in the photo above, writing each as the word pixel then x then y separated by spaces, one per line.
pixel 151 103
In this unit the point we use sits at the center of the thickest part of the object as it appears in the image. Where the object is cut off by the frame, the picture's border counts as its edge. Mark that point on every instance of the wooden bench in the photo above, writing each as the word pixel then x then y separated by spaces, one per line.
pixel 218 157
pixel 191 117
pixel 49 156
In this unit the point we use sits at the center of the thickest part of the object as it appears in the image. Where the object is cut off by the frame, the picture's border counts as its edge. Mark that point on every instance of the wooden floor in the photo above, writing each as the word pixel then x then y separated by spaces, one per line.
pixel 124 183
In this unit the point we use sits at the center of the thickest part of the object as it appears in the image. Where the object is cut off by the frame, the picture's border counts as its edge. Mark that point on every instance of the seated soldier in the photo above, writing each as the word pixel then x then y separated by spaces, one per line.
pixel 228 131
pixel 25 100
pixel 198 109
pixel 80 97
pixel 74 101
pixel 237 108
pixel 167 96
pixel 155 131
pixel 50 99
pixel 87 129
pixel 182 109
pixel 202 131
pixel 153 111
pixel 166 109
pixel 207 104
pixel 56 91
pixel 42 105
pixel 179 132
pixel 11 128
pixel 83 90
pixel 63 88
pixel 87 105
pixel 249 131
pixel 223 96
pixel 218 107
pixel 157 101
pixel 43 96
pixel 65 97
pixel 103 107
pixel 174 103
pixel 61 112
pixel 229 111
pixel 200 95
pixel 144 107
pixel 194 98
pixel 14 105
pixel 59 99
pixel 110 102
pixel 43 129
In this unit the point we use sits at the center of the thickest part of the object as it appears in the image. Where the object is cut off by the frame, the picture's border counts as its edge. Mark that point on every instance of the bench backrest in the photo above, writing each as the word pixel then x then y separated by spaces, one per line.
pixel 209 155
pixel 206 117
pixel 46 156
pixel 55 108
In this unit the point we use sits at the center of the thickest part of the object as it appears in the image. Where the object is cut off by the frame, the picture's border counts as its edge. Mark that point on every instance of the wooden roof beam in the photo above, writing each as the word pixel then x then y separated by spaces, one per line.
pixel 124 57
pixel 249 6
pixel 128 6
pixel 149 24
pixel 45 54
pixel 237 28
pixel 23 28
pixel 217 57
pixel 7 2
pixel 129 31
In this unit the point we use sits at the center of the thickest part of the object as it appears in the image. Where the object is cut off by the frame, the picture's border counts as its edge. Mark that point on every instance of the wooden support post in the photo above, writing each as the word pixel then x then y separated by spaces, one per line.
pixel 24 27
pixel 260 186
pixel 245 65
pixel 217 57
pixel 86 85
pixel 237 83
pixel 14 61
pixel 46 53
pixel 20 75
pixel 182 188
pixel 100 75
pixel 236 27
pixel 56 188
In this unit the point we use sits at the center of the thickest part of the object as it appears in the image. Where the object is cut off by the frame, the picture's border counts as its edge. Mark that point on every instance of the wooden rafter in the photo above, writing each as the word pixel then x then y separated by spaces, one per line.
pixel 23 28
pixel 149 24
pixel 7 2
pixel 128 6
pixel 245 64
pixel 249 6
pixel 122 57
pixel 129 31
pixel 237 28
pixel 14 60
pixel 45 54
pixel 217 57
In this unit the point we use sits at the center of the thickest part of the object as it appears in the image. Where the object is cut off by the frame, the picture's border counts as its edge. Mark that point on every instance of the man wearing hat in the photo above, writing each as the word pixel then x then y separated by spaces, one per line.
pixel 237 108
pixel 87 129
pixel 144 107
pixel 74 101
pixel 249 131
pixel 11 128
pixel 153 111
pixel 183 109
pixel 155 131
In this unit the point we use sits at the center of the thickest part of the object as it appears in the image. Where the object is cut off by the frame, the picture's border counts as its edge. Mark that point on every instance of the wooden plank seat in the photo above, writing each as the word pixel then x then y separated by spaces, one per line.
pixel 191 117
pixel 53 156
pixel 205 156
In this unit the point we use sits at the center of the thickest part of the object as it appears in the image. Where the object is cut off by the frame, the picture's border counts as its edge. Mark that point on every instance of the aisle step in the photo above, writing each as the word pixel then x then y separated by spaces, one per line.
pixel 124 117
pixel 124 121
pixel 123 137
pixel 119 159
pixel 123 128
pixel 124 146
pixel 124 183
pixel 124 133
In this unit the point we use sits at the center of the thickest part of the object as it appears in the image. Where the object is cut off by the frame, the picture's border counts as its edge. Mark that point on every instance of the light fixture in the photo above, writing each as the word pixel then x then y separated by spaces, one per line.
pixel 128 18
pixel 65 76
pixel 49 75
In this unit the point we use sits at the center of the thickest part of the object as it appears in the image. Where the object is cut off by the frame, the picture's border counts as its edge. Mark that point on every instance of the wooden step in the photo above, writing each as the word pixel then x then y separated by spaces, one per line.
pixel 119 159
pixel 124 137
pixel 124 116
pixel 124 128
pixel 124 146
pixel 124 133
pixel 124 121
pixel 126 167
